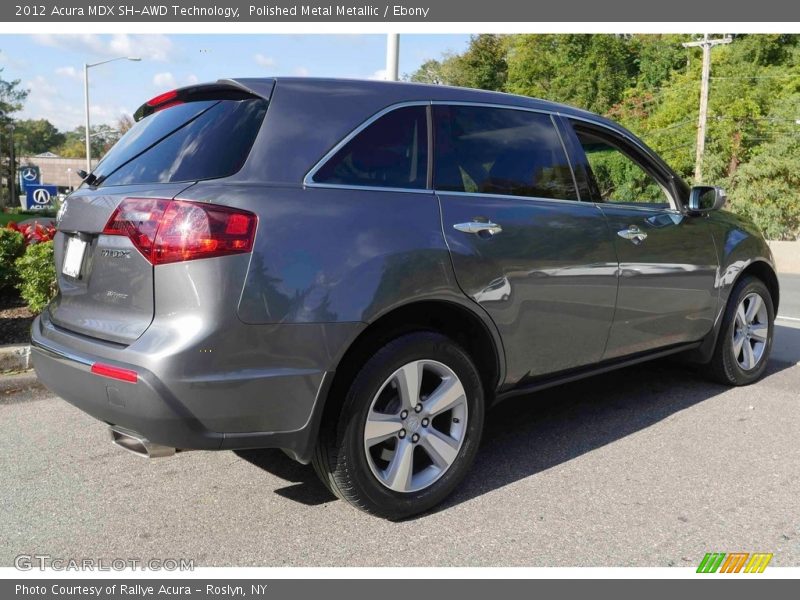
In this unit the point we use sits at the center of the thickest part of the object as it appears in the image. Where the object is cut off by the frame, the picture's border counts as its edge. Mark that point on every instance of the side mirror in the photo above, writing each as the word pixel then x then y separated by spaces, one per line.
pixel 705 198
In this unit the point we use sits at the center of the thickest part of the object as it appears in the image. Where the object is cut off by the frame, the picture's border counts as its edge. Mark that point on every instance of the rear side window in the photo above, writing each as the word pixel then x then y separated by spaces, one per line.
pixel 500 151
pixel 187 142
pixel 391 152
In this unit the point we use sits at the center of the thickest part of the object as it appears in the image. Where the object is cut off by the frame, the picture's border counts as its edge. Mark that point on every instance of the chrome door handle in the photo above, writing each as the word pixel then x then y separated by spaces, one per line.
pixel 633 233
pixel 479 227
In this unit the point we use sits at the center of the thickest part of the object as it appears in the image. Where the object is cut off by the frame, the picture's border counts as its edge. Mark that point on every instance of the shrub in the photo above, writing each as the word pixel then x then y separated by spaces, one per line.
pixel 34 232
pixel 37 276
pixel 12 246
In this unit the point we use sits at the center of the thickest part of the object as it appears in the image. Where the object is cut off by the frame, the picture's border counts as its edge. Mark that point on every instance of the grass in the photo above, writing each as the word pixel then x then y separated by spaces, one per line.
pixel 6 218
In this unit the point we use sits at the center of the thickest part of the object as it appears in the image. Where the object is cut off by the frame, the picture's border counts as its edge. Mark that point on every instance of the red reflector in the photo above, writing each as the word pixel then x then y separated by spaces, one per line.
pixel 167 231
pixel 115 372
pixel 162 98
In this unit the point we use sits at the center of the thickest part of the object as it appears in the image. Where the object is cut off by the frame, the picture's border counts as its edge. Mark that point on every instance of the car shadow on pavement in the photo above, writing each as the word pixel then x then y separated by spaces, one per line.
pixel 306 487
pixel 532 433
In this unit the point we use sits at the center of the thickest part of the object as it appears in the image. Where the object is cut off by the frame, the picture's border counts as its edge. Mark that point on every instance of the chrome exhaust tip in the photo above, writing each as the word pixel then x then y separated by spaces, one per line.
pixel 141 446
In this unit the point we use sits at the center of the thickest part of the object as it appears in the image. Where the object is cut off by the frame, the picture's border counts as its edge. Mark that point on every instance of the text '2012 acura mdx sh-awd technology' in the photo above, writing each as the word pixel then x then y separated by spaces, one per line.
pixel 354 271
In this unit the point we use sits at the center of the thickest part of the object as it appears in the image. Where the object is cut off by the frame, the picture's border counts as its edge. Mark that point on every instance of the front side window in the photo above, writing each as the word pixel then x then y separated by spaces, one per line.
pixel 614 176
pixel 500 151
pixel 392 152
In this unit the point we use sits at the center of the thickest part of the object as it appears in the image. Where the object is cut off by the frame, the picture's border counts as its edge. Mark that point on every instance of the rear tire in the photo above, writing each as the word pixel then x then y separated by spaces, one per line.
pixel 396 452
pixel 745 338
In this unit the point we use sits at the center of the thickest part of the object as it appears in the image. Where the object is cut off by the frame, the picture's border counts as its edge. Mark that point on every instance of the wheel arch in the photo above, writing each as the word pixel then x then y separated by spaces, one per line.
pixel 762 270
pixel 461 323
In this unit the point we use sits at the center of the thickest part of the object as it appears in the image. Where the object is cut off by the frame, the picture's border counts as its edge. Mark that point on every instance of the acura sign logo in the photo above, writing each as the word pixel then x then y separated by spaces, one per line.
pixel 41 196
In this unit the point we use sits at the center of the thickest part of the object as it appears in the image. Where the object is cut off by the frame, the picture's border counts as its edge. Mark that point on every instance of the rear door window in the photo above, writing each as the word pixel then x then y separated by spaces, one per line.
pixel 187 142
pixel 500 151
pixel 391 152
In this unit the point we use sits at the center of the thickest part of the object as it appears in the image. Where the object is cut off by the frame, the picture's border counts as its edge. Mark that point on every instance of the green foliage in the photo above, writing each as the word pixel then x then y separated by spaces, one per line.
pixel 74 143
pixel 37 276
pixel 483 65
pixel 12 97
pixel 34 136
pixel 12 245
pixel 589 71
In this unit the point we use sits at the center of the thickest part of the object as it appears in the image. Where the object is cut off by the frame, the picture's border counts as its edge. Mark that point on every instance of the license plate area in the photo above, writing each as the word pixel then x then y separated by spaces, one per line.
pixel 73 257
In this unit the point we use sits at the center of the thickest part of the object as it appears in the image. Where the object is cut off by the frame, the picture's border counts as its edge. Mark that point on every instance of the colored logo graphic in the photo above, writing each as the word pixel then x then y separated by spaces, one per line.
pixel 734 562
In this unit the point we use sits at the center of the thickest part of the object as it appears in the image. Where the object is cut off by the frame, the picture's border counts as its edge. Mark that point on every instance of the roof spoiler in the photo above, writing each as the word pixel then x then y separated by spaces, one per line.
pixel 224 89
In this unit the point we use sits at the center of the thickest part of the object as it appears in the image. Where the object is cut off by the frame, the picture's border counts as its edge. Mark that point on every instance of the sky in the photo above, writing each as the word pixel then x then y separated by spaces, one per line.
pixel 51 65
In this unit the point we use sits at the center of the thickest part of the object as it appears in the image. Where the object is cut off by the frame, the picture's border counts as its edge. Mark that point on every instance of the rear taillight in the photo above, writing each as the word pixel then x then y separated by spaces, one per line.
pixel 167 231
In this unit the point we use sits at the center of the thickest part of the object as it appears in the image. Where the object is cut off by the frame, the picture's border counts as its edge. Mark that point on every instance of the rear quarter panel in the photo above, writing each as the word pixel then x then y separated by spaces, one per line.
pixel 329 255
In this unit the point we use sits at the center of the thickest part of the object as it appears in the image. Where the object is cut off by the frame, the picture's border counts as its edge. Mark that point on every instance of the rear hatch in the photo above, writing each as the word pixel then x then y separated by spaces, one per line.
pixel 105 275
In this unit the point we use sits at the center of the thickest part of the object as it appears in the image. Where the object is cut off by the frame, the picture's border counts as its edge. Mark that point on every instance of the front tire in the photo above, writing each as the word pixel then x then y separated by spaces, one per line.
pixel 409 428
pixel 745 338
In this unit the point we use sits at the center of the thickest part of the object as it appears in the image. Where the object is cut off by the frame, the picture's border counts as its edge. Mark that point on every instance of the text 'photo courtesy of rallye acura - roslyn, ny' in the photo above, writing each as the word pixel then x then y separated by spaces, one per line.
pixel 355 271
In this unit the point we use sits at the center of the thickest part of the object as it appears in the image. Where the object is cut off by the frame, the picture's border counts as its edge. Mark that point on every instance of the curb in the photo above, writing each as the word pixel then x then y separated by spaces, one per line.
pixel 19 381
pixel 15 357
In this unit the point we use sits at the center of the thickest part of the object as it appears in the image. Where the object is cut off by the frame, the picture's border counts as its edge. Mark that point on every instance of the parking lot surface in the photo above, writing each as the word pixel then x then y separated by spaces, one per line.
pixel 648 466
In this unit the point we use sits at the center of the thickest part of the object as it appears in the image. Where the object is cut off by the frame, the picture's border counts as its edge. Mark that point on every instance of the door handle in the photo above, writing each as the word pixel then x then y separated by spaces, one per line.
pixel 633 233
pixel 479 227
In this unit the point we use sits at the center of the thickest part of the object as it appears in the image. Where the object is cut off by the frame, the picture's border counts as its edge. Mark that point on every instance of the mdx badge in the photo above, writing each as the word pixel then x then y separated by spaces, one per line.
pixel 115 253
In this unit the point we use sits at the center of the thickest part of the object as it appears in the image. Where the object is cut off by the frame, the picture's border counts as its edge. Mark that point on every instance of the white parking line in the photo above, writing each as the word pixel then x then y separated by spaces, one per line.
pixel 781 317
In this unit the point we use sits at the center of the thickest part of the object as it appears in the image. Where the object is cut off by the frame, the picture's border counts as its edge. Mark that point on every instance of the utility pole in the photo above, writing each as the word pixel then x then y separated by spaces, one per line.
pixel 392 56
pixel 706 44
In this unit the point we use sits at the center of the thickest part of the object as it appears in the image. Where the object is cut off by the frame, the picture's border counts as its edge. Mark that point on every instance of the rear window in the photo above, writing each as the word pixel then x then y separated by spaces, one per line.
pixel 187 142
pixel 391 152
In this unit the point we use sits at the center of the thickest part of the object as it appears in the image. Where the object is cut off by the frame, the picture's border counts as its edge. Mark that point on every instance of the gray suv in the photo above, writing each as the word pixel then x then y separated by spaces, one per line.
pixel 353 271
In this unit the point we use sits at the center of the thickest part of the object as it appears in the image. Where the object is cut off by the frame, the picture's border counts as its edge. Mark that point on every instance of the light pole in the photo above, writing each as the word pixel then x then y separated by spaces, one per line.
pixel 86 67
pixel 12 167
pixel 392 56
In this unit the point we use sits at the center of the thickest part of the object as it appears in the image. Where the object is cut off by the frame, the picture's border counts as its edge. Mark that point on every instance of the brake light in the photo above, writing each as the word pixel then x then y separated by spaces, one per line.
pixel 162 98
pixel 167 231
pixel 163 101
pixel 115 372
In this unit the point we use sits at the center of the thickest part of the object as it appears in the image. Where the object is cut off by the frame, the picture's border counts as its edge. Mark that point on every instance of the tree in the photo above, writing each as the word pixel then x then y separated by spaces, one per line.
pixel 102 138
pixel 12 97
pixel 483 65
pixel 124 123
pixel 587 71
pixel 37 136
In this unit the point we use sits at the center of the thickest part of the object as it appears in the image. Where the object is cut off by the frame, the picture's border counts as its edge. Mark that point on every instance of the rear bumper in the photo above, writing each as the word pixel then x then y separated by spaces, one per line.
pixel 269 408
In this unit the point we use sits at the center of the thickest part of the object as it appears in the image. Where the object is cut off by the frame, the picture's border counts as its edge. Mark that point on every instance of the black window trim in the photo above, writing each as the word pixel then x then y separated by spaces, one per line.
pixel 308 180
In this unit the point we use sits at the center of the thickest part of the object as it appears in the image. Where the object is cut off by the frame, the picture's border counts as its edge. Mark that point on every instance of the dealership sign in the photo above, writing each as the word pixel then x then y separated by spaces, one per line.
pixel 39 197
pixel 29 175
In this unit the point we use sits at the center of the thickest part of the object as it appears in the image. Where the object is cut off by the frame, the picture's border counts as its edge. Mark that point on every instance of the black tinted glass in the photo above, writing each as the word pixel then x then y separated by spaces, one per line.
pixel 391 152
pixel 188 142
pixel 500 151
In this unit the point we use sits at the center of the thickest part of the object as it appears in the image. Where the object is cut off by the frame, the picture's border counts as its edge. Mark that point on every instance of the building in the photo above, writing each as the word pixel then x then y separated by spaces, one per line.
pixel 55 170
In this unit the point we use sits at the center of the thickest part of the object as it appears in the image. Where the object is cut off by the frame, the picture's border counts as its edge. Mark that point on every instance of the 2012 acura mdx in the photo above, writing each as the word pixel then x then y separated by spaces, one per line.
pixel 353 271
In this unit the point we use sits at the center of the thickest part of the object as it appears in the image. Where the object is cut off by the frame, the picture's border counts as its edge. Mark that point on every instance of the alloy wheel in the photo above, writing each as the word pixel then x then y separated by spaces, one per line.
pixel 415 426
pixel 750 331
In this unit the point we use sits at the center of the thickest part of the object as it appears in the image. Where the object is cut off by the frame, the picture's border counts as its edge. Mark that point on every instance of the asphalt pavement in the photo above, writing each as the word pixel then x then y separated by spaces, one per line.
pixel 648 466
